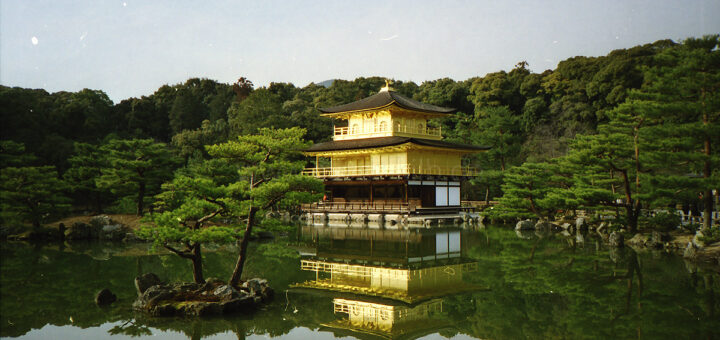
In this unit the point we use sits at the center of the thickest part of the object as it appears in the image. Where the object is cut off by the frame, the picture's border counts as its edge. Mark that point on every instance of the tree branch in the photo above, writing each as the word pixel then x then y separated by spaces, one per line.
pixel 184 254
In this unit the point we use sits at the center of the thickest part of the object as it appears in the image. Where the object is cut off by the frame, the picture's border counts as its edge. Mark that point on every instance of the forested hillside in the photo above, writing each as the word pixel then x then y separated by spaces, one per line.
pixel 95 154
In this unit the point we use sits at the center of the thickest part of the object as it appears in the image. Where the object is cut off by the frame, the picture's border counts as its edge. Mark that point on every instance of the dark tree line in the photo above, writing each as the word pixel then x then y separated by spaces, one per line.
pixel 524 116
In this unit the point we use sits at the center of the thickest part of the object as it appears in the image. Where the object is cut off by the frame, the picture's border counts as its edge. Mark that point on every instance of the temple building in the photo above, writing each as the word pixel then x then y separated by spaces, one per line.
pixel 387 159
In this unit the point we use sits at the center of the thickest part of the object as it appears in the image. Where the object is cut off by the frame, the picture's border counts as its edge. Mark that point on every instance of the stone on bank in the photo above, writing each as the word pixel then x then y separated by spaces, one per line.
pixel 213 297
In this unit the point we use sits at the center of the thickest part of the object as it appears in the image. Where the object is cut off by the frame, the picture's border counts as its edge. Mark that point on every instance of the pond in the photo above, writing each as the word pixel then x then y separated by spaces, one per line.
pixel 361 283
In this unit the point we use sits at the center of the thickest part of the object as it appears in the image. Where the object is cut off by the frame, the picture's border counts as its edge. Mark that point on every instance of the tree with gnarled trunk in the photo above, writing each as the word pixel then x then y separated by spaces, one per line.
pixel 268 164
pixel 190 203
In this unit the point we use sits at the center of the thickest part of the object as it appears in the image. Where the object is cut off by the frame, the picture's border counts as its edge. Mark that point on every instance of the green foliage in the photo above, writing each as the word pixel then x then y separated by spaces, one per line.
pixel 191 143
pixel 13 154
pixel 498 129
pixel 34 194
pixel 135 168
pixel 664 221
pixel 534 190
pixel 710 236
pixel 269 164
pixel 86 168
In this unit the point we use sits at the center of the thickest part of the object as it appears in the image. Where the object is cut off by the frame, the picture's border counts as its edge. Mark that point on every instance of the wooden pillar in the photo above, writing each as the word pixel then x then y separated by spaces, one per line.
pixel 371 192
pixel 406 191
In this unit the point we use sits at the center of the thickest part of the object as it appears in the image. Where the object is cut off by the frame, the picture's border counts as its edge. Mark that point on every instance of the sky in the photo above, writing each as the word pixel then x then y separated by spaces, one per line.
pixel 129 48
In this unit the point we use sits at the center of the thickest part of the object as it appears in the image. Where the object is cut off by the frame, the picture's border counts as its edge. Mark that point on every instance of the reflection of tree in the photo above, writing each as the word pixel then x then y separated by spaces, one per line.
pixel 553 288
pixel 131 328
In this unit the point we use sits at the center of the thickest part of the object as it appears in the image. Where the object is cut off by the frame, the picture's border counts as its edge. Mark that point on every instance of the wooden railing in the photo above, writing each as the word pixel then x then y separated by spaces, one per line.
pixel 359 207
pixel 342 133
pixel 395 169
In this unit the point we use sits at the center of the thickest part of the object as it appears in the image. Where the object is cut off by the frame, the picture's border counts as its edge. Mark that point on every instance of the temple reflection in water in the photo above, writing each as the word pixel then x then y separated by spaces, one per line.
pixel 388 283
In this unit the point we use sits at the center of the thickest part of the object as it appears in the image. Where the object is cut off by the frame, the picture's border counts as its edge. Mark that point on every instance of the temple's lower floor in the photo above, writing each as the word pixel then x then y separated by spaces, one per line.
pixel 429 194
pixel 390 202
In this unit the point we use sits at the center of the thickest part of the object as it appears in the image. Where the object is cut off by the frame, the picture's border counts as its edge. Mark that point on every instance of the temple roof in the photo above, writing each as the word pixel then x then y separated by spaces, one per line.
pixel 385 98
pixel 378 142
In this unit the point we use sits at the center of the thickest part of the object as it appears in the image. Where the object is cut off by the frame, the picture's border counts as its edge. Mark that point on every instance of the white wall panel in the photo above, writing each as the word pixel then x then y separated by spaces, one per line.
pixel 453 196
pixel 441 198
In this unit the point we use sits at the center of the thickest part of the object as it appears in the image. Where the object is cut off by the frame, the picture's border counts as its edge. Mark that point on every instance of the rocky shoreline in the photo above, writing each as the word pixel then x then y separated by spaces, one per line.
pixel 97 228
pixel 214 297
pixel 685 244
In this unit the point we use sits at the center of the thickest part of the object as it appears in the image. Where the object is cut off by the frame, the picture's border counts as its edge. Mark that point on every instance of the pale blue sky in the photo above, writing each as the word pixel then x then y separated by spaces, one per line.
pixel 129 48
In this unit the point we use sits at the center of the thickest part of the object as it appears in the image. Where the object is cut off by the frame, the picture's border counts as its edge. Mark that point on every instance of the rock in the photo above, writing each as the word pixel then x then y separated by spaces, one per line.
pixel 543 225
pixel 696 239
pixel 113 232
pixel 259 288
pixel 105 297
pixel 189 299
pixel 657 239
pixel 131 237
pixel 156 294
pixel 210 284
pixel 199 308
pixel 243 303
pixel 525 225
pixel 638 240
pixel 163 310
pixel 579 238
pixel 226 293
pixel 100 221
pixel 524 234
pixel 568 227
pixel 616 240
pixel 81 231
pixel 145 281
pixel 691 251
pixel 186 287
pixel 581 224
pixel 255 285
pixel 602 228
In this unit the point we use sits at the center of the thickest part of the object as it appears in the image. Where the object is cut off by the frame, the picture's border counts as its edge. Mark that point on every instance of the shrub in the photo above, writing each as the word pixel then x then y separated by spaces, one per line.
pixel 710 236
pixel 664 221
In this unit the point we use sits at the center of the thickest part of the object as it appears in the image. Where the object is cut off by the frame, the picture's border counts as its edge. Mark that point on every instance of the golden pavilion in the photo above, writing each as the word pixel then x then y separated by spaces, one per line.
pixel 388 159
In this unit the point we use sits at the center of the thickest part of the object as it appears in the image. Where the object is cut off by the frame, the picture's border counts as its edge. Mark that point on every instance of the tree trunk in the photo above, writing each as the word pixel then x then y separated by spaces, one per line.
pixel 237 272
pixel 632 207
pixel 633 215
pixel 98 203
pixel 140 198
pixel 197 264
pixel 707 194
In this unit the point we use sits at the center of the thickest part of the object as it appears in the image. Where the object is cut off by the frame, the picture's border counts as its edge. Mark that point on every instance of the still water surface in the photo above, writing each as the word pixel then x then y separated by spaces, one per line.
pixel 357 283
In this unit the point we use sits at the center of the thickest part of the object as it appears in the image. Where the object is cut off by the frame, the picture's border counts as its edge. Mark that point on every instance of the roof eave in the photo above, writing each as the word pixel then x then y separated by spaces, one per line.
pixel 434 114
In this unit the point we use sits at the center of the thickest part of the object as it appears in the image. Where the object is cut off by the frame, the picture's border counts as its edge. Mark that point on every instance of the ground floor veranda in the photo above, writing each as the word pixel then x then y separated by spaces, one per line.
pixel 397 195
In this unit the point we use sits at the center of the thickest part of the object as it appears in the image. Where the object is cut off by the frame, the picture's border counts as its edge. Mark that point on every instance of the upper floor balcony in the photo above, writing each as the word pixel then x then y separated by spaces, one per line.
pixel 389 170
pixel 383 129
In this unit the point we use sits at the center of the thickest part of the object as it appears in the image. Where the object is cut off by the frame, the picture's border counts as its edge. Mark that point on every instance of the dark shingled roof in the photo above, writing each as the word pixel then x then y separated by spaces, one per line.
pixel 385 98
pixel 378 142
